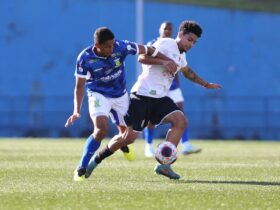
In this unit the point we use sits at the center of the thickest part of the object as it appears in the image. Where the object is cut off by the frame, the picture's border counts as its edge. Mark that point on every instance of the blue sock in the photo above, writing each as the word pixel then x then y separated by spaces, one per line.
pixel 90 147
pixel 149 135
pixel 185 137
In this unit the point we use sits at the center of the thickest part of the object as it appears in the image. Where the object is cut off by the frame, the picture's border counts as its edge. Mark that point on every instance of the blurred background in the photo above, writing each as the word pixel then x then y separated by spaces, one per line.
pixel 239 49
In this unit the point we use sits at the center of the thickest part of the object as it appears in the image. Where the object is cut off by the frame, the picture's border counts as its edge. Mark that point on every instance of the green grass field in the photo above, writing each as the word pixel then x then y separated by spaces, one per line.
pixel 37 174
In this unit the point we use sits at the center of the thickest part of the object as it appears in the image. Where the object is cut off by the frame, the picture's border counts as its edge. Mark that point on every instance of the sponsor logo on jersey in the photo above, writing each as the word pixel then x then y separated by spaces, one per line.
pixel 95 70
pixel 93 60
pixel 96 103
pixel 111 77
pixel 108 71
pixel 153 92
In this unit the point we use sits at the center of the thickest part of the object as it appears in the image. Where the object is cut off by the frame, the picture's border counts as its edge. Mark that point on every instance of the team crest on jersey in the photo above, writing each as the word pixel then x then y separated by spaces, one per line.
pixel 117 62
pixel 96 103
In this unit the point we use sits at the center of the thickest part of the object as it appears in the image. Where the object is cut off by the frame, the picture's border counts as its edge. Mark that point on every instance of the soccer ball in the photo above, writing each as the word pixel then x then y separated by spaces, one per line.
pixel 166 153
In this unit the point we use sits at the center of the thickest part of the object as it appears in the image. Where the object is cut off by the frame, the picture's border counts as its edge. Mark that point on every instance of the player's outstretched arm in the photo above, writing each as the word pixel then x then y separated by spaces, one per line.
pixel 153 52
pixel 151 56
pixel 191 75
pixel 170 65
pixel 78 100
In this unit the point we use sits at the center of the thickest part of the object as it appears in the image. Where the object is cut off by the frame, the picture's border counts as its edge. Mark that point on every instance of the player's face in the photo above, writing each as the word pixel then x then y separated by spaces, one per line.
pixel 166 30
pixel 105 49
pixel 188 41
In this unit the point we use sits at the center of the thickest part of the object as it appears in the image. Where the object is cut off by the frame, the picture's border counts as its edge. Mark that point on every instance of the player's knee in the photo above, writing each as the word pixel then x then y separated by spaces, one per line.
pixel 100 134
pixel 130 137
pixel 183 123
pixel 180 122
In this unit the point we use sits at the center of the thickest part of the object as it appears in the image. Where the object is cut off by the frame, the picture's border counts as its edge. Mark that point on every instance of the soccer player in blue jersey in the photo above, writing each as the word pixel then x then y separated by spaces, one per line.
pixel 149 101
pixel 101 68
pixel 175 93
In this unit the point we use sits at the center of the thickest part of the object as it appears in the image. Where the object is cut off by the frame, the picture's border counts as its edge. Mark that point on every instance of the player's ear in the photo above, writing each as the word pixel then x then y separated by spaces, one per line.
pixel 180 34
pixel 96 45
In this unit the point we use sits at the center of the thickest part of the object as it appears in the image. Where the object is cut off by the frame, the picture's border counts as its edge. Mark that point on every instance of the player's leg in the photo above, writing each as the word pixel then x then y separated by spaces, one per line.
pixel 119 109
pixel 92 144
pixel 149 137
pixel 99 108
pixel 178 124
pixel 117 142
pixel 187 147
pixel 128 151
pixel 169 113
pixel 177 96
pixel 134 120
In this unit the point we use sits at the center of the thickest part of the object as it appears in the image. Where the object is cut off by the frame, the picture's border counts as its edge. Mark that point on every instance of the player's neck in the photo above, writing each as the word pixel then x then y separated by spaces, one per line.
pixel 94 50
pixel 180 47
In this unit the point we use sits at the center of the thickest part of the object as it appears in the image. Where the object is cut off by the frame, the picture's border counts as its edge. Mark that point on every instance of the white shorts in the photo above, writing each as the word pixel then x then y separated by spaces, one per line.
pixel 176 95
pixel 115 108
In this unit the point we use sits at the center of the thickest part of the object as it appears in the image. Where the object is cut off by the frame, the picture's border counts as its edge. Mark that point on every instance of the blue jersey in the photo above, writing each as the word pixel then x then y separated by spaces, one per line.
pixel 105 75
pixel 175 83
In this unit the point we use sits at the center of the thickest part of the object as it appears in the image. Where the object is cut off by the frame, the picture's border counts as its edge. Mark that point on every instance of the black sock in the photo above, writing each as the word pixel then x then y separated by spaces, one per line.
pixel 81 171
pixel 125 149
pixel 104 153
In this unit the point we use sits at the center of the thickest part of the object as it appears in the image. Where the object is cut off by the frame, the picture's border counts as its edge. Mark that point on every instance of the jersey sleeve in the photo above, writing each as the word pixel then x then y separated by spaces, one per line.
pixel 81 68
pixel 163 45
pixel 128 47
pixel 160 45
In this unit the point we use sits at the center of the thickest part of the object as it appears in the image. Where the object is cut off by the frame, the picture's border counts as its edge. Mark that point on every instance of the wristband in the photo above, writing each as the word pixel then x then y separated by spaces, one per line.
pixel 146 49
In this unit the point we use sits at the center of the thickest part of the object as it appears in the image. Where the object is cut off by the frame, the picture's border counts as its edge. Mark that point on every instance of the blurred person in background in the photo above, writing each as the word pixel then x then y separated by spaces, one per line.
pixel 175 93
pixel 101 68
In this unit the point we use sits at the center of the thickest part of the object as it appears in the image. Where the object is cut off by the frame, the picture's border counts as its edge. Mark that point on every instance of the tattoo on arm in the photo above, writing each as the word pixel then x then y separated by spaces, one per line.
pixel 191 75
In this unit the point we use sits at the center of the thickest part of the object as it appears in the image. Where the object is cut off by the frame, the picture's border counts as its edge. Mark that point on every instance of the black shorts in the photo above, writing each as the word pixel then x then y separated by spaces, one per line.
pixel 143 109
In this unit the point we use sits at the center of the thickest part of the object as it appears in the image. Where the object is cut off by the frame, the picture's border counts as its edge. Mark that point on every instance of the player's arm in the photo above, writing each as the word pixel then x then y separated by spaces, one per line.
pixel 191 75
pixel 151 56
pixel 79 92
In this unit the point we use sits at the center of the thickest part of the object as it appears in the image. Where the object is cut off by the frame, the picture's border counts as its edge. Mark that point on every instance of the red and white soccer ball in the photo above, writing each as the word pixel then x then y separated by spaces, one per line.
pixel 166 153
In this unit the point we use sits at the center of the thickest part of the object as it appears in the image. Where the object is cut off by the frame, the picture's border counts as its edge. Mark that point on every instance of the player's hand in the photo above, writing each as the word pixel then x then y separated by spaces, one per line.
pixel 71 119
pixel 212 86
pixel 171 66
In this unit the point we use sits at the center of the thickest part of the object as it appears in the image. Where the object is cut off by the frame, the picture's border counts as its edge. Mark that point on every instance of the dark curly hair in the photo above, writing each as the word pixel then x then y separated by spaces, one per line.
pixel 103 34
pixel 190 26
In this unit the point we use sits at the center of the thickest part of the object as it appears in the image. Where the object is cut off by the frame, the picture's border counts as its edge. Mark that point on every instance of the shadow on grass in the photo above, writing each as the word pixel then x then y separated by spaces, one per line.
pixel 231 182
